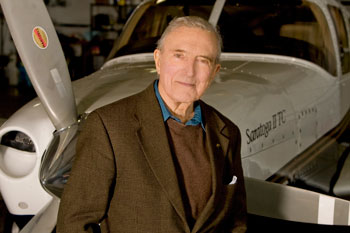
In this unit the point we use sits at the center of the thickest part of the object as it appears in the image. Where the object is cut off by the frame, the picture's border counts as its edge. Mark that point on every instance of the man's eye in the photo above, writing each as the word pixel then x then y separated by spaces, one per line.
pixel 205 61
pixel 178 55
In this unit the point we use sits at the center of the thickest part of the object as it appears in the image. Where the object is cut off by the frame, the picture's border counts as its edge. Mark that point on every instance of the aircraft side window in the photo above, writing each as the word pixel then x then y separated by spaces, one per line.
pixel 153 22
pixel 342 36
pixel 296 29
pixel 326 46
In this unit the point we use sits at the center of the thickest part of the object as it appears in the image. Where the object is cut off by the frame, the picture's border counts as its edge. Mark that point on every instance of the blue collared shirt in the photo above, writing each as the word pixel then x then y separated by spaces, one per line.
pixel 197 118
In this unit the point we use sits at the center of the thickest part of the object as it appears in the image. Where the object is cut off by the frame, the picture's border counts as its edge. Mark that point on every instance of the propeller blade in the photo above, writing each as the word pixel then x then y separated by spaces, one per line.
pixel 41 53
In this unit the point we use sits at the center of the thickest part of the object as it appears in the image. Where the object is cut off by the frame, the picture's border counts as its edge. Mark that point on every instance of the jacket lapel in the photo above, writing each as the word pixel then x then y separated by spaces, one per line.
pixel 153 139
pixel 217 143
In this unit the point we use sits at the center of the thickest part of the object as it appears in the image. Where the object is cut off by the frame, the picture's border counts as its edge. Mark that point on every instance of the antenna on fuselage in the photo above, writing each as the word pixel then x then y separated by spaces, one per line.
pixel 41 53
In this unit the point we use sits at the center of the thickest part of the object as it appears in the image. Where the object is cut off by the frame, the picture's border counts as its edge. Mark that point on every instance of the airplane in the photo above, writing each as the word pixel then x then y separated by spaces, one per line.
pixel 285 81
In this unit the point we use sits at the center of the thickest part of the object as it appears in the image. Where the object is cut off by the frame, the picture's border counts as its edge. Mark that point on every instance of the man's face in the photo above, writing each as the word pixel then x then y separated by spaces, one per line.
pixel 186 64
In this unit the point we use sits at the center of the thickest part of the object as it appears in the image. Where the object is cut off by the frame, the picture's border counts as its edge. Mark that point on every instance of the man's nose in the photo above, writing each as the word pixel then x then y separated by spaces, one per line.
pixel 191 67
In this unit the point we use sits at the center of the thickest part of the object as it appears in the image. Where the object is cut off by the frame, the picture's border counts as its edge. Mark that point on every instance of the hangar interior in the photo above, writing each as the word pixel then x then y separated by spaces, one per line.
pixel 81 27
pixel 86 29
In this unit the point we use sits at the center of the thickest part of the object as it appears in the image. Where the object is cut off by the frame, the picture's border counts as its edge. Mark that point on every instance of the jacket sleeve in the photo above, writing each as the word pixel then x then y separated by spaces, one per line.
pixel 86 196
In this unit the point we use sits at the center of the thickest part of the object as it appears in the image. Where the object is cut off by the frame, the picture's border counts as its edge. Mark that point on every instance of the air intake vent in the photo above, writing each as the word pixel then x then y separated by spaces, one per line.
pixel 18 140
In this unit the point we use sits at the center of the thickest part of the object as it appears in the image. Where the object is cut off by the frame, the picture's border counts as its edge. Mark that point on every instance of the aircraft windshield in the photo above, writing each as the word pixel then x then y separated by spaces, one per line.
pixel 291 28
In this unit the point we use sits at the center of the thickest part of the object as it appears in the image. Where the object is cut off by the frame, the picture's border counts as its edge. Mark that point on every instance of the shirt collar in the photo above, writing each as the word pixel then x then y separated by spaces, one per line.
pixel 197 118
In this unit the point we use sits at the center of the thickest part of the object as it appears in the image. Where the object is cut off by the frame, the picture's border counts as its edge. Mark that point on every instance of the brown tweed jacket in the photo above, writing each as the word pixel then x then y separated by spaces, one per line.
pixel 124 179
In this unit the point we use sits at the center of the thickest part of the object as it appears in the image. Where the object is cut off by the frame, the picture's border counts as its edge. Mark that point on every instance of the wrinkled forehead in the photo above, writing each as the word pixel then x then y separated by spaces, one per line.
pixel 183 34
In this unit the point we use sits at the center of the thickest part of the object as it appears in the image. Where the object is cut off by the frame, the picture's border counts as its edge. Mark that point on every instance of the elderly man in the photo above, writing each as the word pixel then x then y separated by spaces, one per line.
pixel 161 160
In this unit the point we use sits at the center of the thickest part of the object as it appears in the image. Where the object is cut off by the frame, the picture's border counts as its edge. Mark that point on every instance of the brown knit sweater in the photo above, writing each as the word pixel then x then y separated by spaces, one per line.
pixel 192 166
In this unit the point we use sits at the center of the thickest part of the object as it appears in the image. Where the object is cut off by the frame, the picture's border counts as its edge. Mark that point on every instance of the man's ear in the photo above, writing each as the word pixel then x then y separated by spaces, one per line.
pixel 216 70
pixel 156 56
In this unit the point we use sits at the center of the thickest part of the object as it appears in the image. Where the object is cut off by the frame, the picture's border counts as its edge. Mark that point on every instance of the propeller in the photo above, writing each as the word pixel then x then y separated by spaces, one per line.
pixel 41 53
